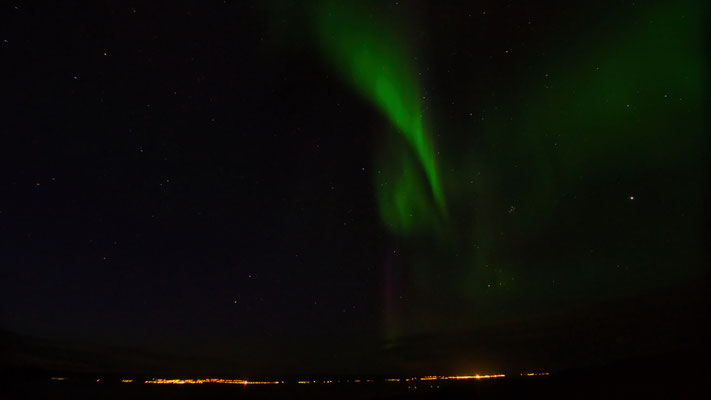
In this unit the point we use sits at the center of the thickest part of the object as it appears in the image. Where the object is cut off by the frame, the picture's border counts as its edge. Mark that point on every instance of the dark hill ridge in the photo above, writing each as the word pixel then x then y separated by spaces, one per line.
pixel 660 324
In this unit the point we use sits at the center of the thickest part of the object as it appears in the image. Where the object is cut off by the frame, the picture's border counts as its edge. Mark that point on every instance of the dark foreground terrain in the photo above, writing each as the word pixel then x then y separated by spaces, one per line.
pixel 658 378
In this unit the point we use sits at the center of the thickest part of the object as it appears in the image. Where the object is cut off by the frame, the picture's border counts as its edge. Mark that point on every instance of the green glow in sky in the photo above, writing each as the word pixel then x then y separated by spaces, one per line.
pixel 621 110
pixel 583 178
pixel 373 60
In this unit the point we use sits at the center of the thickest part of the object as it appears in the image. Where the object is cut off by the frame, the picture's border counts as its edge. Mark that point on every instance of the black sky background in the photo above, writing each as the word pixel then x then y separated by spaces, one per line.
pixel 190 178
pixel 155 185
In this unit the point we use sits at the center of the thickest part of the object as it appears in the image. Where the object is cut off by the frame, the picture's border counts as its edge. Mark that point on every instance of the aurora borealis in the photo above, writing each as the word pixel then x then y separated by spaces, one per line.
pixel 326 187
pixel 373 60
pixel 591 122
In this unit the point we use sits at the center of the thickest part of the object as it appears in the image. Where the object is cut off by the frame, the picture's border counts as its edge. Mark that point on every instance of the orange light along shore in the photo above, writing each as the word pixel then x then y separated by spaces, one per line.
pixel 475 376
pixel 212 380
pixel 246 382
pixel 188 381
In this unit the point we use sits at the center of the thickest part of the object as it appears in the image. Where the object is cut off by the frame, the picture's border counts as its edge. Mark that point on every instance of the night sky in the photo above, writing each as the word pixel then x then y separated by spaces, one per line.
pixel 303 187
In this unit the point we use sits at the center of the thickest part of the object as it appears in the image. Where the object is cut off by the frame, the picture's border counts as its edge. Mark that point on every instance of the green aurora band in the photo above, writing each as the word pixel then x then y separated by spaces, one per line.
pixel 372 59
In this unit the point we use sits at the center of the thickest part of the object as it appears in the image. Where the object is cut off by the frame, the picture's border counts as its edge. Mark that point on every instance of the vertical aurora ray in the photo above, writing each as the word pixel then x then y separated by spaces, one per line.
pixel 373 61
